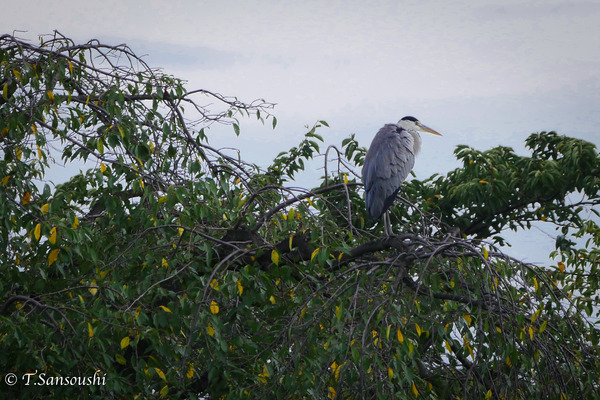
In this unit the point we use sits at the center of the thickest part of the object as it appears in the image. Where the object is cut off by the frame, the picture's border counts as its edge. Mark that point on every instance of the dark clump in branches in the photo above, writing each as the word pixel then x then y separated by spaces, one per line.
pixel 180 271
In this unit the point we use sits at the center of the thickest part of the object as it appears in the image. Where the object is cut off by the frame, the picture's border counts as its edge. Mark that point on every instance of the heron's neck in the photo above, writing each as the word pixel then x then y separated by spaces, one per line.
pixel 416 141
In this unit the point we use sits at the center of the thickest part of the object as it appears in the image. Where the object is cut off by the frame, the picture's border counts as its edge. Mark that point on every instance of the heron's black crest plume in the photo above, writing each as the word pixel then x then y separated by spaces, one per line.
pixel 409 118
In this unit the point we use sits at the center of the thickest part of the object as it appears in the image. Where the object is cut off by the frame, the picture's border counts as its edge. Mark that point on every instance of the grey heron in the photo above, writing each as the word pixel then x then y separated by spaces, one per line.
pixel 388 162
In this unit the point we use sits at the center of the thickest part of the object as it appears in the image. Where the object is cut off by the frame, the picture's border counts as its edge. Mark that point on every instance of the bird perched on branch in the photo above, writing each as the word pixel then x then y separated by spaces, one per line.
pixel 389 159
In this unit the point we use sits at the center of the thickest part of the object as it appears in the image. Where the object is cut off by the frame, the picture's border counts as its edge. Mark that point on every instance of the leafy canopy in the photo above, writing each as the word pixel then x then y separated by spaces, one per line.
pixel 176 270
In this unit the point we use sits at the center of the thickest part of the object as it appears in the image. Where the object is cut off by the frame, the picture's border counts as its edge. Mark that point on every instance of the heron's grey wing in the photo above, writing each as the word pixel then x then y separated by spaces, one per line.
pixel 387 164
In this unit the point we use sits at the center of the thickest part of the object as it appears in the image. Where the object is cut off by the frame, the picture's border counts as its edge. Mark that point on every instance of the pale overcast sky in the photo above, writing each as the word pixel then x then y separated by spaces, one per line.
pixel 483 73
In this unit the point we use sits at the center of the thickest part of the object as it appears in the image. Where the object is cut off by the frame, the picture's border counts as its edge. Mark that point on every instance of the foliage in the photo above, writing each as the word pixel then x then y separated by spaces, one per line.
pixel 496 189
pixel 177 271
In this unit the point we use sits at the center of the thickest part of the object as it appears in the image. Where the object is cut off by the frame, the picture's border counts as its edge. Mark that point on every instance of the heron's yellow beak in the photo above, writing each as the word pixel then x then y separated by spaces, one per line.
pixel 428 129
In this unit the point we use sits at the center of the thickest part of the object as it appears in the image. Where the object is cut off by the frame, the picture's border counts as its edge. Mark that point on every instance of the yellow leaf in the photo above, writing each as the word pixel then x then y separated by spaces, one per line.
pixel 240 287
pixel 214 284
pixel 400 336
pixel 166 309
pixel 90 330
pixel 120 359
pixel 345 178
pixel 482 181
pixel 190 371
pixel 265 373
pixel 336 368
pixel 535 282
pixel 181 230
pixel 291 240
pixel 75 223
pixel 214 307
pixel 163 199
pixel 17 74
pixel 272 299
pixel 448 347
pixel 419 331
pixel 53 256
pixel 160 373
pixel 275 257
pixel 26 198
pixel 125 342
pixel 5 180
pixel 534 316
pixel 210 330
pixel 543 326
pixel 52 237
pixel 164 391
pixel 37 231
pixel 467 318
pixel 508 362
pixel 137 312
pixel 485 253
pixel 561 266
pixel 332 394
pixel 291 214
pixel 390 373
pixel 102 167
pixel 531 332
pixel 415 390
pixel 314 253
pixel 468 346
pixel 45 208
pixel 488 395
pixel 164 263
pixel 70 66
pixel 93 290
pixel 50 95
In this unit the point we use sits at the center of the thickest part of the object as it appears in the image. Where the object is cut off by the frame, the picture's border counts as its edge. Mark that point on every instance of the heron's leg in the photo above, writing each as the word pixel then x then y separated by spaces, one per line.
pixel 387 225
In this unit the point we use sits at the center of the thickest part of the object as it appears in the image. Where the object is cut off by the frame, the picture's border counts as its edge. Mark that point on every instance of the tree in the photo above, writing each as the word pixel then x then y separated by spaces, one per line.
pixel 172 269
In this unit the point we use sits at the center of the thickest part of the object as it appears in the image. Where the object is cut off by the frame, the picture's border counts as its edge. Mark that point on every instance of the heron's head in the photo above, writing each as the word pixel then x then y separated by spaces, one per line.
pixel 412 124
